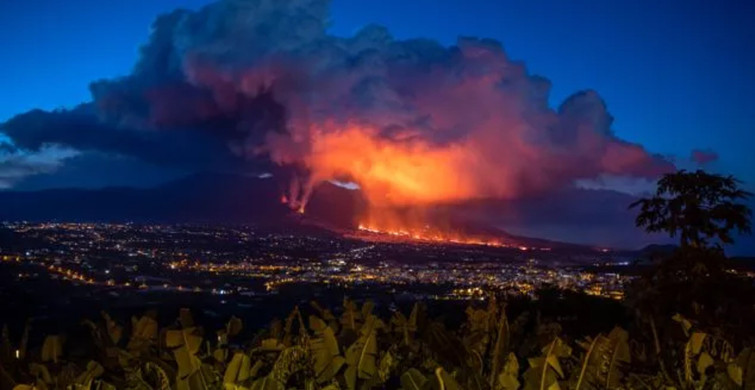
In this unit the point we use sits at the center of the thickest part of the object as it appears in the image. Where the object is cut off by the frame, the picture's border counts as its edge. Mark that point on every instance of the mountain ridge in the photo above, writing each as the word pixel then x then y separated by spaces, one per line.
pixel 215 199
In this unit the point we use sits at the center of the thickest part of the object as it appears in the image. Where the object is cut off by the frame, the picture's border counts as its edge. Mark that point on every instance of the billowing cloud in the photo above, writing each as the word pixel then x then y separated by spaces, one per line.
pixel 16 165
pixel 6 148
pixel 81 129
pixel 412 122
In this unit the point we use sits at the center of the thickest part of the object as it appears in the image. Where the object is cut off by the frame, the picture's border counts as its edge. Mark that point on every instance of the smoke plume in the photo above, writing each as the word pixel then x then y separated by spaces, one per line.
pixel 412 122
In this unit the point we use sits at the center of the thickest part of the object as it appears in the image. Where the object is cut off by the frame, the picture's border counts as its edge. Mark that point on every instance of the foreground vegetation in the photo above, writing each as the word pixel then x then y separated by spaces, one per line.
pixel 359 350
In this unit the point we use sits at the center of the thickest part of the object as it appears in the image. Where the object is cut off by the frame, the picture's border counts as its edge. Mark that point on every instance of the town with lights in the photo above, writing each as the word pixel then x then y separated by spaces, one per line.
pixel 127 262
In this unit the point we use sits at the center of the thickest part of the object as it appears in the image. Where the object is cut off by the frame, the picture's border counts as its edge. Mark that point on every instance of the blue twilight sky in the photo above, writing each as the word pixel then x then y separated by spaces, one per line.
pixel 676 75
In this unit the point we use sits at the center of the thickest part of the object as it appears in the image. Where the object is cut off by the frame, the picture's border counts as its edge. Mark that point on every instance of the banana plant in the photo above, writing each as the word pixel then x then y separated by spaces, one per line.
pixel 269 346
pixel 481 329
pixel 106 335
pixel 327 316
pixel 288 334
pixel 325 352
pixel 478 357
pixel 385 367
pixel 52 348
pixel 162 380
pixel 232 328
pixel 413 379
pixel 290 361
pixel 43 379
pixel 351 317
pixel 138 375
pixel 742 370
pixel 184 343
pixel 361 356
pixel 143 334
pixel 704 351
pixel 604 362
pixel 93 370
pixel 508 379
pixel 478 333
pixel 545 371
pixel 443 381
pixel 367 308
pixel 440 379
pixel 239 372
pixel 114 331
pixel 500 349
pixel 406 327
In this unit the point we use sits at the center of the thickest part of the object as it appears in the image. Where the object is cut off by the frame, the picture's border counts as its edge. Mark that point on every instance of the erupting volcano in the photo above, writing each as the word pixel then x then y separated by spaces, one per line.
pixel 416 125
pixel 264 87
pixel 402 174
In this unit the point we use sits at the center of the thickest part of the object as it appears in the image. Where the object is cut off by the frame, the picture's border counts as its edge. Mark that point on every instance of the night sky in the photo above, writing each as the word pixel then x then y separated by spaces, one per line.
pixel 677 76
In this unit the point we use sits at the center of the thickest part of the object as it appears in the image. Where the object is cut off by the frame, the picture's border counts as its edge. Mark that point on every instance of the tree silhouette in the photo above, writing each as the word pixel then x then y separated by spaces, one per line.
pixel 699 206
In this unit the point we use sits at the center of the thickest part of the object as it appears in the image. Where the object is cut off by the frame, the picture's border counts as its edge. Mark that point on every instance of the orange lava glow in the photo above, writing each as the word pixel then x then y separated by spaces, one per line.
pixel 441 238
pixel 401 176
pixel 433 237
pixel 403 172
pixel 400 172
pixel 416 224
pixel 299 207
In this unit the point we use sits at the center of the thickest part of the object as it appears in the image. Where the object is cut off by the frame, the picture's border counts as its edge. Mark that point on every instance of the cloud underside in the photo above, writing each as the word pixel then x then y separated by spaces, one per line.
pixel 16 165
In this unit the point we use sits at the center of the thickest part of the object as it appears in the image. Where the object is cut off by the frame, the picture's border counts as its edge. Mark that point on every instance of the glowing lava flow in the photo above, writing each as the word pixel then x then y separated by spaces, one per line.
pixel 441 238
pixel 299 209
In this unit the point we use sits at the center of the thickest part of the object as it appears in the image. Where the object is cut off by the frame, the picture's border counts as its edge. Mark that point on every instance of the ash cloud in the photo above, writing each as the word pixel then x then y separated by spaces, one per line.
pixel 81 129
pixel 260 85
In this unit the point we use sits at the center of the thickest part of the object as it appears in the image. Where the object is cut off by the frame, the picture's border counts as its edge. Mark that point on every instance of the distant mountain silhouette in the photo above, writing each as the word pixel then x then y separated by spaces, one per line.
pixel 659 249
pixel 212 199
pixel 200 198
pixel 335 206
